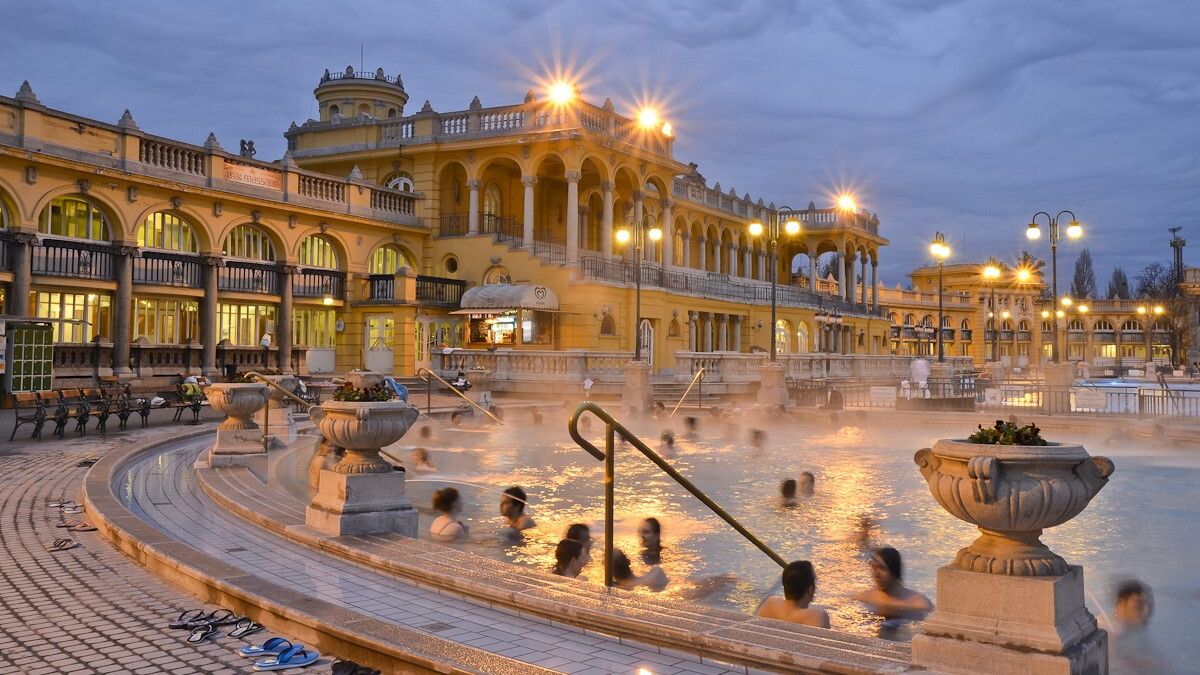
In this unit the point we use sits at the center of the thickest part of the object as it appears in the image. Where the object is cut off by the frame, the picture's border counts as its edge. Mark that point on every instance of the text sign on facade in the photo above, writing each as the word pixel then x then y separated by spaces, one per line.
pixel 250 175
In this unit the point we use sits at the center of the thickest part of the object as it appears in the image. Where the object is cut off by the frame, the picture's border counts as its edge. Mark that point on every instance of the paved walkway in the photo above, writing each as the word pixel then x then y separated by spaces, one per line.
pixel 162 490
pixel 89 609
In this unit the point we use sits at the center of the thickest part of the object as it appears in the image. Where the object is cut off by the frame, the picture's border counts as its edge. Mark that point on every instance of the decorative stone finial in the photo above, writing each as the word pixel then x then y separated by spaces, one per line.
pixel 25 93
pixel 379 74
pixel 326 76
pixel 812 206
pixel 292 126
pixel 399 82
pixel 733 192
pixel 426 108
pixel 287 160
pixel 760 203
pixel 529 96
pixel 717 187
pixel 608 105
pixel 769 206
pixel 126 121
pixel 355 173
pixel 211 143
pixel 475 104
pixel 746 197
pixel 349 71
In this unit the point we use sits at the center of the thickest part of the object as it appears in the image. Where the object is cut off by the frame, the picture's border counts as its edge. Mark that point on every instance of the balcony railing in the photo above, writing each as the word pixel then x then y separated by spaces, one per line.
pixel 316 283
pixel 381 287
pixel 249 277
pixel 167 269
pixel 1006 335
pixel 947 334
pixel 73 258
pixel 439 291
pixel 453 224
pixel 966 335
pixel 1022 336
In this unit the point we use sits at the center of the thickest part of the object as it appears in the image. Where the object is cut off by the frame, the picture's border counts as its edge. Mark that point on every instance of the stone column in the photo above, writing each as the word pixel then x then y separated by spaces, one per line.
pixel 473 205
pixel 585 227
pixel 283 326
pixel 668 230
pixel 737 333
pixel 21 255
pixel 527 225
pixel 208 317
pixel 723 332
pixel 848 287
pixel 812 272
pixel 706 331
pixel 747 265
pixel 717 267
pixel 606 220
pixel 874 284
pixel 687 249
pixel 703 248
pixel 863 288
pixel 122 307
pixel 692 319
pixel 573 215
pixel 732 255
pixel 762 266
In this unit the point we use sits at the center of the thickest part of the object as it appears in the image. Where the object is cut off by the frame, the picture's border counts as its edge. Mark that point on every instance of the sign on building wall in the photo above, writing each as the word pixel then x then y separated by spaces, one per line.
pixel 252 175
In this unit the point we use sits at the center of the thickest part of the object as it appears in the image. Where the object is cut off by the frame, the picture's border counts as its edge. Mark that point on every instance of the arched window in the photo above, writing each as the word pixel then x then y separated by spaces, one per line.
pixel 1161 325
pixel 399 181
pixel 491 201
pixel 496 275
pixel 388 258
pixel 1023 325
pixel 1132 324
pixel 334 110
pixel 965 325
pixel 73 217
pixel 249 242
pixel 927 321
pixel 1075 324
pixel 391 113
pixel 608 325
pixel 364 109
pixel 908 319
pixel 168 232
pixel 1103 324
pixel 1007 325
pixel 945 321
pixel 894 318
pixel 317 251
pixel 1046 327
pixel 802 341
pixel 783 336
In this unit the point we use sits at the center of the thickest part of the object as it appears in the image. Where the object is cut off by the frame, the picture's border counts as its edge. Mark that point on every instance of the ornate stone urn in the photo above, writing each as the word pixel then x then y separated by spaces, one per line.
pixel 239 441
pixel 362 494
pixel 1012 493
pixel 276 415
pixel 1008 603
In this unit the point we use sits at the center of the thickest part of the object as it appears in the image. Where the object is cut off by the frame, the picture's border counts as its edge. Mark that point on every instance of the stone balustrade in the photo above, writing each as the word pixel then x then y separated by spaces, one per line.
pixel 511 365
pixel 733 367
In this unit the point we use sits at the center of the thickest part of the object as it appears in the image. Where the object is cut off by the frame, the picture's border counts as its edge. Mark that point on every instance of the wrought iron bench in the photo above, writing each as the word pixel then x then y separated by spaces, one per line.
pixel 28 409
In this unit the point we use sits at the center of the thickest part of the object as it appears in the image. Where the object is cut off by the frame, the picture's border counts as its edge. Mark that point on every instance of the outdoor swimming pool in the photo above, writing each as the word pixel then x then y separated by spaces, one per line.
pixel 1141 525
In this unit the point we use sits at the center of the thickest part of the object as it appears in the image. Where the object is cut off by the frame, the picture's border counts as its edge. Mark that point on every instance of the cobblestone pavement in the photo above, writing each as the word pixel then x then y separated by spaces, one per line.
pixel 89 609
pixel 162 490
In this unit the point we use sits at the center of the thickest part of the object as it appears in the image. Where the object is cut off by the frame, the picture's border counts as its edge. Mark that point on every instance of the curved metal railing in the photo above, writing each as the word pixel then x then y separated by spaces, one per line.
pixel 459 393
pixel 698 377
pixel 608 456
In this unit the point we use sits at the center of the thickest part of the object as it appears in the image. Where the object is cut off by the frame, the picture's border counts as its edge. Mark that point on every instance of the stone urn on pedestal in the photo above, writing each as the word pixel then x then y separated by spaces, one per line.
pixel 1008 604
pixel 362 494
pixel 276 415
pixel 239 439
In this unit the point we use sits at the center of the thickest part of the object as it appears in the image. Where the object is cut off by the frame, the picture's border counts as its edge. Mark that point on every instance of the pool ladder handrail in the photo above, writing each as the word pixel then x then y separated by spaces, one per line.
pixel 698 377
pixel 266 437
pixel 456 391
pixel 608 456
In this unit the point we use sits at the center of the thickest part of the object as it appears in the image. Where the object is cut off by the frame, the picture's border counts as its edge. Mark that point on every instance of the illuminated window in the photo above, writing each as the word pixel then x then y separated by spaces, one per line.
pixel 399 181
pixel 73 217
pixel 317 251
pixel 313 327
pixel 166 322
pixel 536 327
pixel 244 325
pixel 4 223
pixel 783 336
pixel 496 275
pixel 1102 324
pixel 802 338
pixel 250 243
pixel 85 315
pixel 167 231
pixel 387 259
pixel 1132 325
pixel 1107 351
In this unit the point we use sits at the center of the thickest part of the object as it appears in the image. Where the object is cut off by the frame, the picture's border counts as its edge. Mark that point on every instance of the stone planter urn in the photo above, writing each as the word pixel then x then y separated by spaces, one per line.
pixel 362 494
pixel 239 442
pixel 276 415
pixel 1008 603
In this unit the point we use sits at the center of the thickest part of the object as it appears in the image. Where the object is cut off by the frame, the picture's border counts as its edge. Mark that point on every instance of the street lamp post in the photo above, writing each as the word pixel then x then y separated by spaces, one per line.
pixel 772 232
pixel 1033 232
pixel 941 251
pixel 990 274
pixel 638 234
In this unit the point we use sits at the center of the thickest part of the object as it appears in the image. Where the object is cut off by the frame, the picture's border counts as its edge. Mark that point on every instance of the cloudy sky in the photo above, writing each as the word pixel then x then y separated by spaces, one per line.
pixel 963 116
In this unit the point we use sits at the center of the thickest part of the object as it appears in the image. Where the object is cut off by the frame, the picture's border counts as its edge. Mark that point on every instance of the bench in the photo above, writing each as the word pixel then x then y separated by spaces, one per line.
pixel 28 409
pixel 99 406
pixel 124 404
pixel 185 400
pixel 63 405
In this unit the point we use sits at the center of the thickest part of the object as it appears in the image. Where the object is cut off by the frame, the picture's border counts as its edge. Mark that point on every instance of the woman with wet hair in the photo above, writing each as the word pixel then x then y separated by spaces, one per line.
pixel 446 527
pixel 787 492
pixel 570 557
pixel 580 533
pixel 890 598
pixel 623 577
pixel 650 534
pixel 799 588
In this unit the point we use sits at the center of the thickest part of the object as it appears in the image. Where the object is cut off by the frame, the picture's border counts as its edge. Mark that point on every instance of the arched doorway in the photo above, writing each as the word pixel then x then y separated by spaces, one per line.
pixel 646 340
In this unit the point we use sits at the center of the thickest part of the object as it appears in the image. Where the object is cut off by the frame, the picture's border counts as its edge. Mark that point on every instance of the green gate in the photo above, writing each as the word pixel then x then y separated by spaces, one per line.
pixel 30 361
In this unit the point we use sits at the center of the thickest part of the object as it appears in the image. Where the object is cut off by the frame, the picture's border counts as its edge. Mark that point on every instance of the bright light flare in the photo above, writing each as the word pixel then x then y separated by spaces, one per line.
pixel 991 272
pixel 1024 275
pixel 668 130
pixel 792 227
pixel 1141 309
pixel 1067 301
pixel 755 229
pixel 1060 314
pixel 1158 310
pixel 1074 230
pixel 623 236
pixel 561 92
pixel 1045 314
pixel 1033 232
pixel 655 234
pixel 1083 309
pixel 648 118
pixel 846 202
pixel 1005 314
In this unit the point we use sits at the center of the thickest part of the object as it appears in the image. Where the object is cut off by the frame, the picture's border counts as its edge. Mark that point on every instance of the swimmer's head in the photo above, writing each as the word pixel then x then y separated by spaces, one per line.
pixel 787 489
pixel 580 533
pixel 886 567
pixel 667 437
pixel 758 436
pixel 585 423
pixel 456 417
pixel 621 569
pixel 799 582
pixel 570 556
pixel 690 423
pixel 807 482
pixel 426 431
pixel 512 504
pixel 537 417
pixel 446 501
pixel 1135 603
pixel 650 532
pixel 420 456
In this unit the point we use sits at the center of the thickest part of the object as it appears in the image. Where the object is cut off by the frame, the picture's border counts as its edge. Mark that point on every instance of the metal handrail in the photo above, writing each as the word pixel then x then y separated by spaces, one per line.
pixel 267 410
pixel 612 427
pixel 698 376
pixel 460 394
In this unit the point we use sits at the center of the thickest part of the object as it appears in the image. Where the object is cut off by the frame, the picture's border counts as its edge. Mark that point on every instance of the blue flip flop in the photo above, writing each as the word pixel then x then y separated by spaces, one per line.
pixel 296 657
pixel 271 647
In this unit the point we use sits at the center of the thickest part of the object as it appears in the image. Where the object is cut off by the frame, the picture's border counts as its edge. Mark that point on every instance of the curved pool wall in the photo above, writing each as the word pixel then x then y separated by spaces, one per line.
pixel 863 467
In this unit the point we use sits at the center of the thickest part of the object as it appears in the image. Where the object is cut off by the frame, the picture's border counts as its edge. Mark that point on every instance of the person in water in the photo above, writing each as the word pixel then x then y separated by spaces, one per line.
pixel 758 438
pixel 666 445
pixel 580 533
pixel 806 484
pixel 512 507
pixel 689 427
pixel 623 577
pixel 890 598
pixel 650 534
pixel 420 461
pixel 799 587
pixel 1134 606
pixel 570 557
pixel 787 492
pixel 447 527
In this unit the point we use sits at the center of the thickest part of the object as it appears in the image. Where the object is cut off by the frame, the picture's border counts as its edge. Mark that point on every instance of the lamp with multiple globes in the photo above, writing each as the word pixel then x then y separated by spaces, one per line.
pixel 940 250
pixel 638 233
pixel 1074 230
pixel 771 230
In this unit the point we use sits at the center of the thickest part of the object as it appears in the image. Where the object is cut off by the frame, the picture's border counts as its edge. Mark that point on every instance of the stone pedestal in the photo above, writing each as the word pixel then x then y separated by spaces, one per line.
pixel 635 397
pixel 365 503
pixel 996 623
pixel 240 447
pixel 276 416
pixel 1056 397
pixel 772 388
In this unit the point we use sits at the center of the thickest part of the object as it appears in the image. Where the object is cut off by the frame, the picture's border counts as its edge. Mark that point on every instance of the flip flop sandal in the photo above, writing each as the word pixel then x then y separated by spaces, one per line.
pixel 62 544
pixel 82 527
pixel 296 657
pixel 70 523
pixel 202 633
pixel 86 462
pixel 272 646
pixel 341 667
pixel 185 617
pixel 224 617
pixel 62 504
pixel 245 627
pixel 72 511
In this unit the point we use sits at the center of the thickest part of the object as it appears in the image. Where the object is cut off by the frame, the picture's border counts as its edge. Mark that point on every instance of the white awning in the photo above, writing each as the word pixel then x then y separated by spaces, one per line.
pixel 488 299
